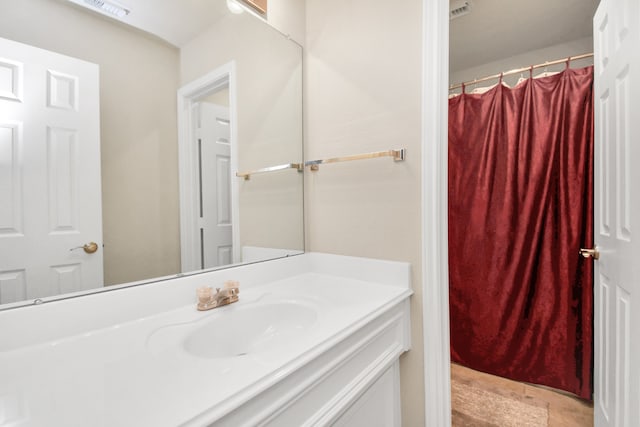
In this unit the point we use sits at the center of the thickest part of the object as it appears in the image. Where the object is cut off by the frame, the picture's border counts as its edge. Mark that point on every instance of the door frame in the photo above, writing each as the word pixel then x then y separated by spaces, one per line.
pixel 189 94
pixel 435 284
pixel 435 259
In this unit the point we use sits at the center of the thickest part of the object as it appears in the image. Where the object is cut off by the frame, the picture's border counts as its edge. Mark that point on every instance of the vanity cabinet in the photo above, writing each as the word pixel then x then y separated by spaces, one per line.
pixel 314 340
pixel 353 383
pixel 379 406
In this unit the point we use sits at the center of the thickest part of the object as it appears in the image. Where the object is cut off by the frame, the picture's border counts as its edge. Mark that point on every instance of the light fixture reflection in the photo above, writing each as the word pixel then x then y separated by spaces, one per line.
pixel 111 7
pixel 234 7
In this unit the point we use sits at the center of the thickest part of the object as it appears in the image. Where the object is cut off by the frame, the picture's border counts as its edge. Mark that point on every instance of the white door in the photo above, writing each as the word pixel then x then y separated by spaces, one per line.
pixel 215 221
pixel 49 173
pixel 617 211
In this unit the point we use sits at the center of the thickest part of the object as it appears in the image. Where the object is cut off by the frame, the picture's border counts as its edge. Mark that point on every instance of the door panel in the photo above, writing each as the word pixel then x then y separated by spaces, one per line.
pixel 617 91
pixel 49 173
pixel 215 220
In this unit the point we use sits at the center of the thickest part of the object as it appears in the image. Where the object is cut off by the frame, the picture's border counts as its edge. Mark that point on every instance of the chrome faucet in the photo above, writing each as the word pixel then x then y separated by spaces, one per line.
pixel 207 299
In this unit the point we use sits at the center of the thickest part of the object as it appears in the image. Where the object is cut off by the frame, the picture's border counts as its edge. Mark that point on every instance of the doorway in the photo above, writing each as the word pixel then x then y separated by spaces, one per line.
pixel 491 38
pixel 208 153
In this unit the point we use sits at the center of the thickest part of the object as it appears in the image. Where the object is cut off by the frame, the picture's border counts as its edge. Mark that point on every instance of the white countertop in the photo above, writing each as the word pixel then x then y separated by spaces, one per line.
pixel 127 373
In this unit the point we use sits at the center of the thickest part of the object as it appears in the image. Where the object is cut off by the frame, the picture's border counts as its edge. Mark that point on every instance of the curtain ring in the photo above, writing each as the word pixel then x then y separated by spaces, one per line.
pixel 501 75
pixel 463 88
pixel 531 72
pixel 568 62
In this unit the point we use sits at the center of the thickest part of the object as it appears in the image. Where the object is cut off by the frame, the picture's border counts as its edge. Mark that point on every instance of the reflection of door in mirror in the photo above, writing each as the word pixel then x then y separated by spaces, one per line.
pixel 214 164
pixel 50 174
pixel 208 155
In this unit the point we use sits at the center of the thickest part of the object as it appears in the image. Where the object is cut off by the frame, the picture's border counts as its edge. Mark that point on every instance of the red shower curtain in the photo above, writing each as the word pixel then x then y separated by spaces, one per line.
pixel 520 208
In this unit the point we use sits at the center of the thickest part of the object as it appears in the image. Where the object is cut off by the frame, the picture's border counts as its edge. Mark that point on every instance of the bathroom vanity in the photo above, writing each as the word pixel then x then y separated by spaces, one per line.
pixel 314 339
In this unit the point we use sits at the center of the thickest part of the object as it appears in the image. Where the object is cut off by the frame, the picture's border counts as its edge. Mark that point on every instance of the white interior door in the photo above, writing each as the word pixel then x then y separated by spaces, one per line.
pixel 617 210
pixel 50 188
pixel 215 219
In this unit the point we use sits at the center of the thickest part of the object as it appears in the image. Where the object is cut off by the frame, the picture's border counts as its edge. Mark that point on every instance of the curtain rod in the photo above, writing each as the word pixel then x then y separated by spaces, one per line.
pixel 521 70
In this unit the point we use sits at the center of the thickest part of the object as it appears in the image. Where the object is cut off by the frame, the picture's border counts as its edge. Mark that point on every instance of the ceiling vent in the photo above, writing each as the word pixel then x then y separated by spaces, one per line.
pixel 458 8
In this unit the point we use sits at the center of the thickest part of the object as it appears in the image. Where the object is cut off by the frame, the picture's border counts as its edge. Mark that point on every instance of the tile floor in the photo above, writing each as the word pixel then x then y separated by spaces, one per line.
pixel 564 410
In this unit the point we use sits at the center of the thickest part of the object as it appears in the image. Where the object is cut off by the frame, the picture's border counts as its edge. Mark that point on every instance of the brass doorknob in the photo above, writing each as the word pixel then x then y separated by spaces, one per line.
pixel 89 248
pixel 590 253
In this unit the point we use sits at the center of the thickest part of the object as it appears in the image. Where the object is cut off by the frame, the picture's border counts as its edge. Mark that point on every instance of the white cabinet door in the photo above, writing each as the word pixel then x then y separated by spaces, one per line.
pixel 49 173
pixel 379 406
pixel 617 210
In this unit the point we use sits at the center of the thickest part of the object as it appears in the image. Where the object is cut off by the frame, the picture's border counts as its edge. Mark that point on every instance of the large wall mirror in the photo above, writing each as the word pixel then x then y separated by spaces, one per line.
pixel 121 139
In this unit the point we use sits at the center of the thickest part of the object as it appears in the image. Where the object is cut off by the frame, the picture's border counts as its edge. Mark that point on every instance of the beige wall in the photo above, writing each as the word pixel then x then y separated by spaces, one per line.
pixel 539 56
pixel 269 89
pixel 138 83
pixel 220 97
pixel 288 17
pixel 363 93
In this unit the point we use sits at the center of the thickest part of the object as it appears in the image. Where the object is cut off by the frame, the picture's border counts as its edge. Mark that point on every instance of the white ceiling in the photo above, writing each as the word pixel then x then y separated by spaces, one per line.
pixel 497 29
pixel 494 29
pixel 175 21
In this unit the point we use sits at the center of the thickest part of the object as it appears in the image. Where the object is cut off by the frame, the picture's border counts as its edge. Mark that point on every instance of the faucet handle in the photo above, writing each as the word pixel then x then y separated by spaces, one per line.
pixel 204 294
pixel 207 299
pixel 233 286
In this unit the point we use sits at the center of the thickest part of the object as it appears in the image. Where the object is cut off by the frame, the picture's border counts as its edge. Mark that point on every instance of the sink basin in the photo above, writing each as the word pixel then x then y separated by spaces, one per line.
pixel 250 329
